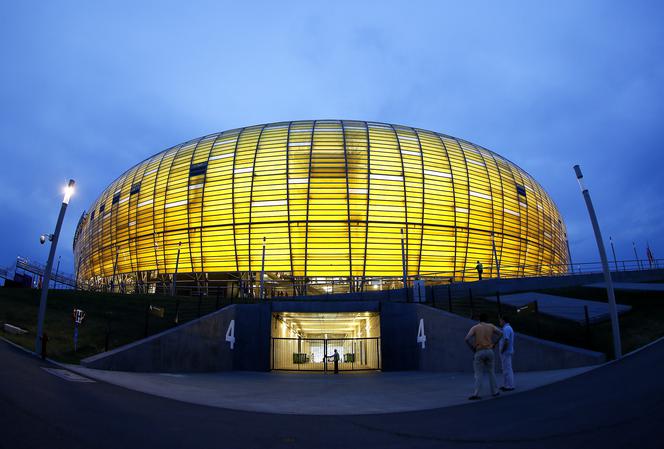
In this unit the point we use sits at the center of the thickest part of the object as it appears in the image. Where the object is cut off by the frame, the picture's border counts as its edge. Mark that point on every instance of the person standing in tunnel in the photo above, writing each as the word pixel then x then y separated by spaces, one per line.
pixel 335 359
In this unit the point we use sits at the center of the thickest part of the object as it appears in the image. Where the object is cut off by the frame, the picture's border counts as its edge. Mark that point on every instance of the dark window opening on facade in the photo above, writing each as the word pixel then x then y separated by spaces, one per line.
pixel 521 190
pixel 135 188
pixel 102 208
pixel 197 169
pixel 116 198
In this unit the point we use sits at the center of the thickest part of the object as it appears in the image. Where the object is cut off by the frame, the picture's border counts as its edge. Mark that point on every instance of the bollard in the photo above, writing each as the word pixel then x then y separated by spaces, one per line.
pixel 585 311
pixel 106 339
pixel 500 310
pixel 44 341
pixel 176 320
pixel 449 298
pixel 147 318
pixel 108 331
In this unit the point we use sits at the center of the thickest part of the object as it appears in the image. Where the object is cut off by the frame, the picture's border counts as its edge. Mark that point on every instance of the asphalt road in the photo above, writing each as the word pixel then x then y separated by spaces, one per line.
pixel 619 405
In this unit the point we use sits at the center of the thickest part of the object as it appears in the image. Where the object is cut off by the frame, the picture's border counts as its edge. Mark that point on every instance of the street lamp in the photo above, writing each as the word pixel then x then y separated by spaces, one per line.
pixel 615 327
pixel 262 293
pixel 404 262
pixel 69 191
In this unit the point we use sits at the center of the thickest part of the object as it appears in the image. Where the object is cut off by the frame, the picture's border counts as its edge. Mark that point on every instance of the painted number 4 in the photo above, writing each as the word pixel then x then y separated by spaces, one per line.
pixel 230 333
pixel 421 338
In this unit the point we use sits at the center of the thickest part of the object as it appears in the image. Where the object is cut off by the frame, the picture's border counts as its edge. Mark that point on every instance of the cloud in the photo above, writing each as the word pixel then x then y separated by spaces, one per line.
pixel 90 89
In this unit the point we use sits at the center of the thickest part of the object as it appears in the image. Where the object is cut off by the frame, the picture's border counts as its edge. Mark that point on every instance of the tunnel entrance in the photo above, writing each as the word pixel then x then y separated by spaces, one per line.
pixel 307 341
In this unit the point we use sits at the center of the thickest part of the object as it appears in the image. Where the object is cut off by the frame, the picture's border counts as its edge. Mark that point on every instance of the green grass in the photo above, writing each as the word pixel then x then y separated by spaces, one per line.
pixel 638 327
pixel 111 319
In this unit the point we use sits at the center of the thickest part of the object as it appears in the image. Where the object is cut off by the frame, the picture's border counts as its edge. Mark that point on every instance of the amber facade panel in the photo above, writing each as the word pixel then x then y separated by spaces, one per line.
pixel 331 198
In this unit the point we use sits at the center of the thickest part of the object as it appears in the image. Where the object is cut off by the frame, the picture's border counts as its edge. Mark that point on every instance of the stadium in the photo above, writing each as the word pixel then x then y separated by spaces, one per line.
pixel 314 207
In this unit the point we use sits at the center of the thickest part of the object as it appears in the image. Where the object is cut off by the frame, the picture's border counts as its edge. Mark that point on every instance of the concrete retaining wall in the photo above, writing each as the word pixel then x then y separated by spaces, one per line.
pixel 198 345
pixel 445 349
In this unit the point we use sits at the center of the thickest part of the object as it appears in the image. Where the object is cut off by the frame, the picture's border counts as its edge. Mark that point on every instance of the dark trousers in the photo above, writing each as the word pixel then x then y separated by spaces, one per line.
pixel 336 367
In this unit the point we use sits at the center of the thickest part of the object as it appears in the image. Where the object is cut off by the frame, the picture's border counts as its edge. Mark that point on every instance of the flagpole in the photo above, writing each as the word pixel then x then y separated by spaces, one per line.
pixel 638 261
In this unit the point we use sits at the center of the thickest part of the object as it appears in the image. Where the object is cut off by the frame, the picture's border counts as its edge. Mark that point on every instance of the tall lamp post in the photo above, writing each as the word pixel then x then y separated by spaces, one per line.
pixel 262 294
pixel 69 190
pixel 404 262
pixel 615 328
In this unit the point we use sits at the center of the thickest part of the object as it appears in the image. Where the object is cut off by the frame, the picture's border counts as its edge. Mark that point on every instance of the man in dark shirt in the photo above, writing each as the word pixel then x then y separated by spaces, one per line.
pixel 335 358
pixel 480 269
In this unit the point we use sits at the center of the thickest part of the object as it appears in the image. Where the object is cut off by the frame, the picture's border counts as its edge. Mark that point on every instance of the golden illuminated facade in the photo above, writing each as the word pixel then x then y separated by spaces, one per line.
pixel 331 199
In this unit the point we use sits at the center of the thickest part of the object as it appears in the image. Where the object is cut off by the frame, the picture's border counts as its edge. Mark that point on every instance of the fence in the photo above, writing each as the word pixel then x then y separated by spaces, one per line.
pixel 37 268
pixel 569 320
pixel 316 354
pixel 160 313
pixel 283 285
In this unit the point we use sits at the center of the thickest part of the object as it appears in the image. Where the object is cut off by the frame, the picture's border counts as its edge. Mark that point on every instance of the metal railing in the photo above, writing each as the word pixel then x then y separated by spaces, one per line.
pixel 37 268
pixel 512 271
pixel 283 285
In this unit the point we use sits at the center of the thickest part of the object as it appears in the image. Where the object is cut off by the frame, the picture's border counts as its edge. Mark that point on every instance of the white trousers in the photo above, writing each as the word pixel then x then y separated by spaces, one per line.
pixel 508 374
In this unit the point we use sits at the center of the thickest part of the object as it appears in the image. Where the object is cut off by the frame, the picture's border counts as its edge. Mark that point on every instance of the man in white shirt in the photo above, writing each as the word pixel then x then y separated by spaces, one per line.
pixel 506 348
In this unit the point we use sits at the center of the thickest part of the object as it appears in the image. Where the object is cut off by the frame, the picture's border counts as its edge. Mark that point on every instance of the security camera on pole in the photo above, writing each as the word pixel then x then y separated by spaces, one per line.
pixel 53 238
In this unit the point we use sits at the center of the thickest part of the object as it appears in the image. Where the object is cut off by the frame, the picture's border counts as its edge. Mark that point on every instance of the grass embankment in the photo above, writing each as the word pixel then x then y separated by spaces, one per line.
pixel 640 326
pixel 111 320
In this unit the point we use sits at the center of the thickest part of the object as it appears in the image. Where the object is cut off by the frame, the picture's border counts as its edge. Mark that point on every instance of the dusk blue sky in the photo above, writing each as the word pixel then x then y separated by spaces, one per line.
pixel 88 89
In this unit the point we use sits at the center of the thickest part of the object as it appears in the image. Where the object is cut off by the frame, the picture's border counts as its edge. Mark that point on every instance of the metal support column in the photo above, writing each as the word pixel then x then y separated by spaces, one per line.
pixel 615 327
pixel 49 266
pixel 175 274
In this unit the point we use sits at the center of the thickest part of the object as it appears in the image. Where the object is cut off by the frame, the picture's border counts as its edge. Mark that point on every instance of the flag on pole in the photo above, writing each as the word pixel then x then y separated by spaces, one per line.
pixel 651 258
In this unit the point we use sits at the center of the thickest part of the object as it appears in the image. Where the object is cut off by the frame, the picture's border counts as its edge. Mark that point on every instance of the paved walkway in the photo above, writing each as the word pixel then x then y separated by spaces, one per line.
pixel 630 286
pixel 318 394
pixel 561 306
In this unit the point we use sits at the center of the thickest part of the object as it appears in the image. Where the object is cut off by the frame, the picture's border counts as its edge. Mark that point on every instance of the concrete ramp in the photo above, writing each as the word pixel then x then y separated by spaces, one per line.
pixel 444 349
pixel 201 345
pixel 630 286
pixel 561 307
